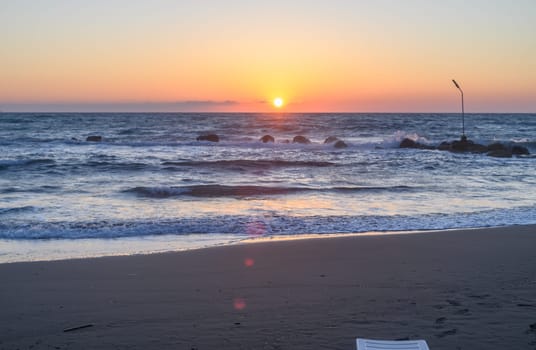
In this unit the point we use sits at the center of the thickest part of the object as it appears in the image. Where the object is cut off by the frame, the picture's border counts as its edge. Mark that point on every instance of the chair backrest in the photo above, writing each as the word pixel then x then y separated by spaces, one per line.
pixel 370 344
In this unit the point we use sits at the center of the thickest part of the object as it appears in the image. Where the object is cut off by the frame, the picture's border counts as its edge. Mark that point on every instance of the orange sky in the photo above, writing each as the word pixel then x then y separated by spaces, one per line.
pixel 239 55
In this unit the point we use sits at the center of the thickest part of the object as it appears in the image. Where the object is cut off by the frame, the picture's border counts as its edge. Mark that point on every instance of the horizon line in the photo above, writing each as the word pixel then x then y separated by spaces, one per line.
pixel 252 112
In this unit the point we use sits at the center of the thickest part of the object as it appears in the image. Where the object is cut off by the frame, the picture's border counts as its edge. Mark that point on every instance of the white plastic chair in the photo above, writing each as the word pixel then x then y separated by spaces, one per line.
pixel 370 344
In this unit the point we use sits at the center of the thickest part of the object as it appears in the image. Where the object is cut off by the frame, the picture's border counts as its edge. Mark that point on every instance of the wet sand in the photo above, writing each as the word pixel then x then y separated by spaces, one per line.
pixel 468 289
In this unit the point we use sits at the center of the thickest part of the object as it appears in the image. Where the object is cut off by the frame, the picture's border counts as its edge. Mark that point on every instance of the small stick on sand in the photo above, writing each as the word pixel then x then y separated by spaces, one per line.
pixel 78 327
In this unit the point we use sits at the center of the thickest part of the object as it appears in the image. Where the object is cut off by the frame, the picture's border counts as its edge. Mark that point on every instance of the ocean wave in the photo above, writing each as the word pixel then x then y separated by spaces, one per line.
pixel 250 163
pixel 94 164
pixel 394 140
pixel 249 142
pixel 7 163
pixel 208 191
pixel 39 189
pixel 5 211
pixel 265 225
pixel 170 141
pixel 104 165
pixel 353 144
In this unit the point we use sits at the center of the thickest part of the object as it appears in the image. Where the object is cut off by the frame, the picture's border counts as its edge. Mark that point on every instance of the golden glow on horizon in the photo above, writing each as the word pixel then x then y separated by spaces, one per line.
pixel 323 57
pixel 278 102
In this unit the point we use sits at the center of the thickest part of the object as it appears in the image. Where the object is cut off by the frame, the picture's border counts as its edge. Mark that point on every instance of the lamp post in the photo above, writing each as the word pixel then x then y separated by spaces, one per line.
pixel 463 138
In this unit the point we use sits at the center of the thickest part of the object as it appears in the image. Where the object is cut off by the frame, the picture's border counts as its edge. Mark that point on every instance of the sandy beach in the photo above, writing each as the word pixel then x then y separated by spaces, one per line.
pixel 468 289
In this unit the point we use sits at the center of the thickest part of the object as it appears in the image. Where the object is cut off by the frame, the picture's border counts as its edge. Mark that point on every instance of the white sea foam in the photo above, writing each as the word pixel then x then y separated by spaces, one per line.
pixel 266 225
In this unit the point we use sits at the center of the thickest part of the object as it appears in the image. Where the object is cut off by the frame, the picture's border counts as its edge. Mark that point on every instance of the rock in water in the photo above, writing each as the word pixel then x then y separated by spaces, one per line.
pixel 409 143
pixel 267 138
pixel 496 147
pixel 503 151
pixel 520 150
pixel 460 146
pixel 94 138
pixel 444 146
pixel 467 146
pixel 300 139
pixel 331 139
pixel 340 144
pixel 500 153
pixel 209 137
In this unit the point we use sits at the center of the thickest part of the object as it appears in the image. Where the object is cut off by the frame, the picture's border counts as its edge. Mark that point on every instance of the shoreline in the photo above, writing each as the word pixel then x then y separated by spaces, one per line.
pixel 44 250
pixel 463 289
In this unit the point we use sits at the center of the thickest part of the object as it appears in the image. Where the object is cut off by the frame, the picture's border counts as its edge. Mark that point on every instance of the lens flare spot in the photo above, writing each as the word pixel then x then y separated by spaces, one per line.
pixel 239 304
pixel 248 262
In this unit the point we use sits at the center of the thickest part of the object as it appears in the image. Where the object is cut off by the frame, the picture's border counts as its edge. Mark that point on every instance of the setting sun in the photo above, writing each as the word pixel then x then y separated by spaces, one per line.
pixel 278 102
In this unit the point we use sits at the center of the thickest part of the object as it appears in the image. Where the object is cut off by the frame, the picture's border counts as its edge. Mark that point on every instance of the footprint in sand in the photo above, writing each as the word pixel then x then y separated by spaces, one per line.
pixel 526 305
pixel 479 296
pixel 532 328
pixel 440 322
pixel 453 302
pixel 447 333
pixel 462 312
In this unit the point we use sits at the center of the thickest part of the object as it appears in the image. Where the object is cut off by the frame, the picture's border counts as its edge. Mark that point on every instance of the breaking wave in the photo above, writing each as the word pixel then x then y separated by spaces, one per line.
pixel 248 226
pixel 207 191
pixel 250 163
pixel 7 163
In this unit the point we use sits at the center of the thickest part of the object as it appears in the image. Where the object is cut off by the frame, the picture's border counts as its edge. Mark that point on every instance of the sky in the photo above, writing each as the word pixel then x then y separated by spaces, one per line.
pixel 239 55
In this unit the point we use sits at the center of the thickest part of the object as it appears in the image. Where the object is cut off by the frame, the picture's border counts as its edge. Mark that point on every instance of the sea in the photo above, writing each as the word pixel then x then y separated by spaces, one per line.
pixel 149 186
